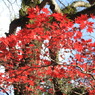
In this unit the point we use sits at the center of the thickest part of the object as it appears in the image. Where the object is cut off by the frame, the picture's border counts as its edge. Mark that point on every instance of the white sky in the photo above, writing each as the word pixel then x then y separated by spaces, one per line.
pixel 7 13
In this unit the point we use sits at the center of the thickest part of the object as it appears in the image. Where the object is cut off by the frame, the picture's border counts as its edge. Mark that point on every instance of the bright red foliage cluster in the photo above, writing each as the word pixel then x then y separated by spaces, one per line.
pixel 20 53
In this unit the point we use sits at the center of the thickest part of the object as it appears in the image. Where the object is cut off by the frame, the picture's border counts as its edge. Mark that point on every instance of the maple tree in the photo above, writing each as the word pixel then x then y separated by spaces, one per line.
pixel 32 60
pixel 21 53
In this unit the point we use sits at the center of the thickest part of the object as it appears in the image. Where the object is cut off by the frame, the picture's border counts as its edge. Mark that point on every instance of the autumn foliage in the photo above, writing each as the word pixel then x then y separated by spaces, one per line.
pixel 31 56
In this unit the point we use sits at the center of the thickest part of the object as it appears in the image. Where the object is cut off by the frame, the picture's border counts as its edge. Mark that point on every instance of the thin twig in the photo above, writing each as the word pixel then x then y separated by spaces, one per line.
pixel 4 90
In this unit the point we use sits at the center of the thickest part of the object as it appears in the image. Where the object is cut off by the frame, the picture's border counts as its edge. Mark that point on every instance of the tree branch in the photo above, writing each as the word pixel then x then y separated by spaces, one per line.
pixel 43 3
pixel 80 4
pixel 88 11
pixel 91 1
pixel 20 22
pixel 56 7
pixel 4 90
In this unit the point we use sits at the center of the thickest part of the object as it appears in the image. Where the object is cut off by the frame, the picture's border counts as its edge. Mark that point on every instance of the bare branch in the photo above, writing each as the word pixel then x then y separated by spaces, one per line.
pixel 62 3
pixel 57 8
pixel 4 90
pixel 88 11
pixel 43 3
pixel 17 23
pixel 80 4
